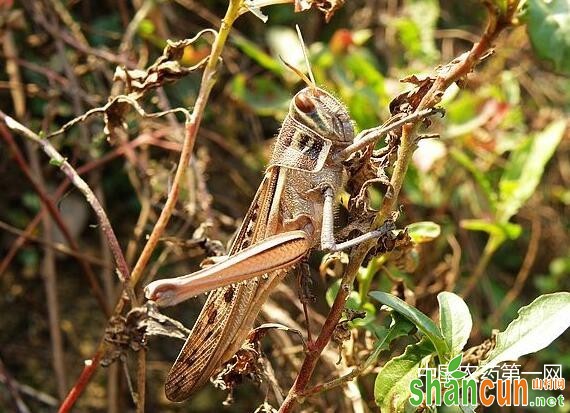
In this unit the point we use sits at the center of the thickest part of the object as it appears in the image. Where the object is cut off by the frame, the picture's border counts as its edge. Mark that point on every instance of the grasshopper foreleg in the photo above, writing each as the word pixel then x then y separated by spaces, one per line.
pixel 369 136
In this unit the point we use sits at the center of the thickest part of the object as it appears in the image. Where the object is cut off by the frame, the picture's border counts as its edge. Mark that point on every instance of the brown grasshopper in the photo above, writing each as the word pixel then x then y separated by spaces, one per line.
pixel 292 213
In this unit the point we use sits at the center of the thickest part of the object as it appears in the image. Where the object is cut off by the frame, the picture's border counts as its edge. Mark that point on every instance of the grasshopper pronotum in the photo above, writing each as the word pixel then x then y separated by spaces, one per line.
pixel 292 213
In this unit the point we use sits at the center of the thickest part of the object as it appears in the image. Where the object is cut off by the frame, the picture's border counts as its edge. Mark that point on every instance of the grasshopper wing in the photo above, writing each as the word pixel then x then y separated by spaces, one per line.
pixel 229 312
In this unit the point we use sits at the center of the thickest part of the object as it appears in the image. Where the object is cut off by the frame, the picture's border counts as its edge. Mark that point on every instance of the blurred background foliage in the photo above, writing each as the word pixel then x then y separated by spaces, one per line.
pixel 496 181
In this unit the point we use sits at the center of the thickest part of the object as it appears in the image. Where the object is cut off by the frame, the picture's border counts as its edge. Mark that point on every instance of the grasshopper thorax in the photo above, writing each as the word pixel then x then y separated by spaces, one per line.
pixel 321 112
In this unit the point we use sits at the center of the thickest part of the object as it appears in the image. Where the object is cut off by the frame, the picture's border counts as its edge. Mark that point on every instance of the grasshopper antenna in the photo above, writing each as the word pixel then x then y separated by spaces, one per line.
pixel 303 76
pixel 310 81
pixel 305 54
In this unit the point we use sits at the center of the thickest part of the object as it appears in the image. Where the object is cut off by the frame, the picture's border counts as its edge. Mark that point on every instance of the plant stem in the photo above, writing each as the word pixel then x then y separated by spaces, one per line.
pixel 354 373
pixel 50 278
pixel 57 159
pixel 490 247
pixel 141 380
pixel 50 206
pixel 208 81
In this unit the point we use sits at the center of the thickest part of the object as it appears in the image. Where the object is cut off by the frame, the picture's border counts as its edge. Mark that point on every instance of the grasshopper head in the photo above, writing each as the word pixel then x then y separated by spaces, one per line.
pixel 324 114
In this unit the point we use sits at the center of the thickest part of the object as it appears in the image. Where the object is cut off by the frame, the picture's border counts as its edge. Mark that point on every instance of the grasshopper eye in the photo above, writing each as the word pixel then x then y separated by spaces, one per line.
pixel 304 103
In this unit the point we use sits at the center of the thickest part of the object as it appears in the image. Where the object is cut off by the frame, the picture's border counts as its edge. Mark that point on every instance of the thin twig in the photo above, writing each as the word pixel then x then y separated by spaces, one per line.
pixel 13 71
pixel 354 373
pixel 50 283
pixel 84 378
pixel 61 248
pixel 54 212
pixel 524 272
pixel 17 401
pixel 141 380
pixel 57 159
pixel 134 24
pixel 143 139
pixel 113 372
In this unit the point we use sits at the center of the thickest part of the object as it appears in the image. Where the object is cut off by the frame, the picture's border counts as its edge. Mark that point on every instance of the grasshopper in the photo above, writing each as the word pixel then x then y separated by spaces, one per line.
pixel 291 213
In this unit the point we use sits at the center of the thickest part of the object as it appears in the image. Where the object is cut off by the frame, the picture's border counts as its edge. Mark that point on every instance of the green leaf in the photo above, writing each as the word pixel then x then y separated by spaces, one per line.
pixel 257 54
pixel 501 231
pixel 537 325
pixel 354 303
pixel 549 31
pixel 261 94
pixel 392 385
pixel 399 327
pixel 458 374
pixel 416 28
pixel 424 231
pixel 481 178
pixel 422 322
pixel 525 168
pixel 454 363
pixel 454 320
pixel 501 4
pixel 56 162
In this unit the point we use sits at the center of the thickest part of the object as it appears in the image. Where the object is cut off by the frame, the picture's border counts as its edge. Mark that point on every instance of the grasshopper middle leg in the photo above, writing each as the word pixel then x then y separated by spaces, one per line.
pixel 327 231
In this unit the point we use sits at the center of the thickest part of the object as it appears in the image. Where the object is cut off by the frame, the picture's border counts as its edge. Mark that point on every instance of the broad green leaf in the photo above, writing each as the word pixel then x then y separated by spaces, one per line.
pixel 261 94
pixel 549 30
pixel 482 179
pixel 257 54
pixel 416 28
pixel 501 231
pixel 454 363
pixel 454 320
pixel 424 231
pixel 525 168
pixel 284 43
pixel 392 385
pixel 422 322
pixel 537 325
pixel 458 374
pixel 399 326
